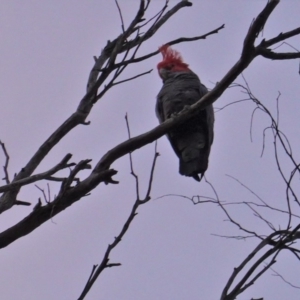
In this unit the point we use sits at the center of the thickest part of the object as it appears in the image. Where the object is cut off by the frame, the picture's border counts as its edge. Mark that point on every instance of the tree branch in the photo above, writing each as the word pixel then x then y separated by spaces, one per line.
pixel 267 53
pixel 44 213
pixel 257 26
pixel 279 240
pixel 173 42
pixel 5 167
pixel 62 165
pixel 280 37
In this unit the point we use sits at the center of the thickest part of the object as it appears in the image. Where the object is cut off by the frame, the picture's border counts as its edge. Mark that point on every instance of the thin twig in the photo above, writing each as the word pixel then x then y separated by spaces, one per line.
pixel 278 136
pixel 44 194
pixel 147 196
pixel 282 278
pixel 121 16
pixel 267 206
pixel 280 37
pixel 136 178
pixel 5 167
pixel 199 199
pixel 221 205
pixel 235 237
pixel 131 78
pixel 218 109
pixel 172 42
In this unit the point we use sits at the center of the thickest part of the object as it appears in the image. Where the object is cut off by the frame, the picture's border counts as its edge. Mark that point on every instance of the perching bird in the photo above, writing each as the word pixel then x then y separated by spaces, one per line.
pixel 192 139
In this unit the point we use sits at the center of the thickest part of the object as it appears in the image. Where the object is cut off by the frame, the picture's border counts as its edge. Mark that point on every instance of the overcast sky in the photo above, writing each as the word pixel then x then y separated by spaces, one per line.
pixel 46 53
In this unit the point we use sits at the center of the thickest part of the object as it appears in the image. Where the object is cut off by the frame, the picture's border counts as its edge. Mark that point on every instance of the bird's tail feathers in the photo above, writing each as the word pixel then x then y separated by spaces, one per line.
pixel 194 167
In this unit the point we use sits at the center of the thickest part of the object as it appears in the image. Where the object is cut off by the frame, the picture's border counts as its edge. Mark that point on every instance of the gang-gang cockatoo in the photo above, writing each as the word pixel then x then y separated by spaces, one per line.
pixel 192 139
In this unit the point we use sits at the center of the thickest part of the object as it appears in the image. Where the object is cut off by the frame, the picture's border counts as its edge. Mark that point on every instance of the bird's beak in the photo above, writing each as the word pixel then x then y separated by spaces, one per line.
pixel 162 73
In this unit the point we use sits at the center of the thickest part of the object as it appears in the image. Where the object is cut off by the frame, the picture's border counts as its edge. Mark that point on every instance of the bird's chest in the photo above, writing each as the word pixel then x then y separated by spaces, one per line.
pixel 177 99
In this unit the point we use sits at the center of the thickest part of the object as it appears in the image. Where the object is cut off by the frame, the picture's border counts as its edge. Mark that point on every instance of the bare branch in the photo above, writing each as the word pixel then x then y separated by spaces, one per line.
pixel 173 42
pixel 222 206
pixel 121 16
pixel 283 279
pixel 256 27
pixel 66 184
pixel 279 240
pixel 259 274
pixel 60 166
pixel 25 203
pixel 236 237
pixel 7 199
pixel 5 167
pixel 267 206
pixel 47 200
pixel 162 20
pixel 218 109
pixel 247 188
pixel 258 215
pixel 131 78
pixel 267 53
pixel 240 286
pixel 196 38
pixel 136 178
pixel 199 199
pixel 60 203
pixel 281 37
pixel 147 196
pixel 278 136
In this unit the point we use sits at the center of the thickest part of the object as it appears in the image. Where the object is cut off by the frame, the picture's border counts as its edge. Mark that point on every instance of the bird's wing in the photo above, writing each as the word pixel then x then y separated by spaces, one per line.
pixel 159 110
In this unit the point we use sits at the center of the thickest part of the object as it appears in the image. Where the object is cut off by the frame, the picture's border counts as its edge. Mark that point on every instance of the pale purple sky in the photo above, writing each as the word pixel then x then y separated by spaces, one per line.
pixel 46 52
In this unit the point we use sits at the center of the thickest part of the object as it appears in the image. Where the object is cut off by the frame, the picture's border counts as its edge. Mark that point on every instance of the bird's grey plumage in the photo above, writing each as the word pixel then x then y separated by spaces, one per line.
pixel 191 140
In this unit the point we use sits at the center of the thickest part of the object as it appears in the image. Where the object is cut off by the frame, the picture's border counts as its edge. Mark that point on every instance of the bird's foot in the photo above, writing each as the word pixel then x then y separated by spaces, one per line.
pixel 175 114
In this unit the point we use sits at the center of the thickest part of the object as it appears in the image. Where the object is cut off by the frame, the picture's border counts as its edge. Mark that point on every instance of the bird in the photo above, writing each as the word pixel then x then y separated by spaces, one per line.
pixel 192 139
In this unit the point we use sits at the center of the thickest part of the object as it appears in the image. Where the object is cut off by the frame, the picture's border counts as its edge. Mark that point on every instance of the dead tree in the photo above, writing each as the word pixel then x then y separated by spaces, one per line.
pixel 119 54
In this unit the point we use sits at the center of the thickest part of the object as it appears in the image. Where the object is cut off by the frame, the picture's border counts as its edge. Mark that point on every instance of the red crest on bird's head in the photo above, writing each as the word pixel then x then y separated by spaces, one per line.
pixel 171 59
